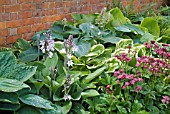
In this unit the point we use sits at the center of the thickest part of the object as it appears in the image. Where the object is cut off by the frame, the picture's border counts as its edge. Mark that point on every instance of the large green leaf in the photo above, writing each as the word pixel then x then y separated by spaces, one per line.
pixel 147 37
pixel 50 62
pixel 118 17
pixel 23 44
pixel 130 28
pixel 93 75
pixel 96 50
pixel 28 110
pixel 11 85
pixel 9 106
pixel 83 48
pixel 9 97
pixel 152 26
pixel 90 93
pixel 36 101
pixel 10 69
pixel 111 39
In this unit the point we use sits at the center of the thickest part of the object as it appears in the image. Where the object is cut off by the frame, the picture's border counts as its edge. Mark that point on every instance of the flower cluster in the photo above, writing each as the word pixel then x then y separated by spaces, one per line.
pixel 165 99
pixel 104 18
pixel 109 90
pixel 128 79
pixel 123 57
pixel 47 45
pixel 155 66
pixel 70 48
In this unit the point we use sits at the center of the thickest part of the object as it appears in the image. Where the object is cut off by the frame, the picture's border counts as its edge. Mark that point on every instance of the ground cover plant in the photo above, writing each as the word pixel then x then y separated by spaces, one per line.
pixel 102 63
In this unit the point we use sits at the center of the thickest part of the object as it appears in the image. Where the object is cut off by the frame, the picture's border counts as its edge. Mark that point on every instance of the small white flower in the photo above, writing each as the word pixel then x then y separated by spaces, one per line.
pixel 99 33
pixel 75 48
pixel 67 97
pixel 69 56
pixel 63 50
pixel 70 63
pixel 50 54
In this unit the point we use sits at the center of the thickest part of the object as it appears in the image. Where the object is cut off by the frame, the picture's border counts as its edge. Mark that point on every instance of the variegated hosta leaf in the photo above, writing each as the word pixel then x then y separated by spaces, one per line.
pixel 11 70
pixel 96 50
pixel 124 43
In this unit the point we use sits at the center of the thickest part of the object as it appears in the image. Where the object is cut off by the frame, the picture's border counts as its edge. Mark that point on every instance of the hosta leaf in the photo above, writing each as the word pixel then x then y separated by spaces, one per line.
pixel 9 106
pixel 11 85
pixel 93 75
pixel 23 44
pixel 118 17
pixel 152 25
pixel 28 55
pixel 9 97
pixel 147 37
pixel 111 39
pixel 36 101
pixel 124 43
pixel 83 48
pixel 85 27
pixel 10 69
pixel 28 110
pixel 90 93
pixel 50 62
pixel 96 50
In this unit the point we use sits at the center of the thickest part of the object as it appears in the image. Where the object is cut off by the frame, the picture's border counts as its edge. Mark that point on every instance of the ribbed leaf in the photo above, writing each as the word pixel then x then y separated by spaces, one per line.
pixel 36 101
pixel 11 85
pixel 9 97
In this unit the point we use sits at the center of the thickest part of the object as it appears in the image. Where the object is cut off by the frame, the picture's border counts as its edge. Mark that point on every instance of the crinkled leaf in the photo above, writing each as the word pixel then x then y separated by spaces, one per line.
pixel 124 43
pixel 11 85
pixel 111 39
pixel 36 101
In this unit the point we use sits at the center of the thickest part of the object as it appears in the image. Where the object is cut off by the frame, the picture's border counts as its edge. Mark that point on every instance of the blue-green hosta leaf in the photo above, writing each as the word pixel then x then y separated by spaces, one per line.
pixel 90 93
pixel 147 37
pixel 11 85
pixel 152 25
pixel 9 97
pixel 83 48
pixel 124 43
pixel 28 110
pixel 9 106
pixel 55 110
pixel 93 75
pixel 36 101
pixel 23 44
pixel 96 50
pixel 130 28
pixel 85 27
pixel 66 108
pixel 111 39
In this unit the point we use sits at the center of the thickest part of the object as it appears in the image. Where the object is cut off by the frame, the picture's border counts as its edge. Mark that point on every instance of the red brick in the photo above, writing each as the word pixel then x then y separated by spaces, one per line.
pixel 12 31
pixel 2 25
pixel 24 1
pixel 28 36
pixel 38 13
pixel 4 2
pixel 37 27
pixel 2 9
pixel 5 17
pixel 12 39
pixel 13 16
pixel 38 1
pixel 59 4
pixel 12 8
pixel 49 12
pixel 93 1
pixel 4 32
pixel 2 41
pixel 13 1
pixel 12 24
pixel 25 14
pixel 45 5
pixel 24 29
pixel 52 5
pixel 28 21
pixel 28 7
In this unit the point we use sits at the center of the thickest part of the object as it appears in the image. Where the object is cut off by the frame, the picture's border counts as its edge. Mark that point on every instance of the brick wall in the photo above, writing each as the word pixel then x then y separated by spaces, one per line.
pixel 22 18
